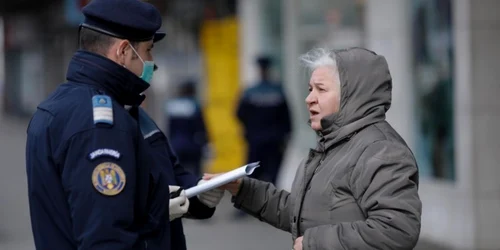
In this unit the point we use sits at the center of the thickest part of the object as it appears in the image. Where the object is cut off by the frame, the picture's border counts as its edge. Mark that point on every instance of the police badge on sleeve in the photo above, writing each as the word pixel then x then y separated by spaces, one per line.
pixel 108 178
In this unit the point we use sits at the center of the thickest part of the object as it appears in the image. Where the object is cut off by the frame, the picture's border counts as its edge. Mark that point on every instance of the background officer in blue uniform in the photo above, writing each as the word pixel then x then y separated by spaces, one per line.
pixel 264 113
pixel 186 127
pixel 100 172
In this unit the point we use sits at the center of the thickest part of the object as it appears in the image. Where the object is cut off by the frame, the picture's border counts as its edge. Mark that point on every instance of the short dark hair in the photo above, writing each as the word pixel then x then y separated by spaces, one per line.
pixel 96 42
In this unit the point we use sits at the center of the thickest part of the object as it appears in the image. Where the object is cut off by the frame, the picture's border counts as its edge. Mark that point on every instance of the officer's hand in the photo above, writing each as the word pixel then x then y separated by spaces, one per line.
pixel 179 205
pixel 211 198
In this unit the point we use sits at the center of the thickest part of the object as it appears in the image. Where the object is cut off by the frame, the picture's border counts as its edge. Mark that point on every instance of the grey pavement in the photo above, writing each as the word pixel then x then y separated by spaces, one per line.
pixel 221 232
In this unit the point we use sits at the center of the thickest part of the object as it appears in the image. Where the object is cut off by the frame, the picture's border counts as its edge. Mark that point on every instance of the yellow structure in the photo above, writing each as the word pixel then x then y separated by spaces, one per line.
pixel 219 42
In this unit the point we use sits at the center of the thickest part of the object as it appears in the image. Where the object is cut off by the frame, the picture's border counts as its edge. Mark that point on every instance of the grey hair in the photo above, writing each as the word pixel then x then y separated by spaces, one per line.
pixel 319 57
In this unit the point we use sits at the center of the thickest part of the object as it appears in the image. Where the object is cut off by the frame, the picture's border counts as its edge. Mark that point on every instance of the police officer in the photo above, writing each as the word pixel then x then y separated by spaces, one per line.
pixel 264 113
pixel 100 172
pixel 186 126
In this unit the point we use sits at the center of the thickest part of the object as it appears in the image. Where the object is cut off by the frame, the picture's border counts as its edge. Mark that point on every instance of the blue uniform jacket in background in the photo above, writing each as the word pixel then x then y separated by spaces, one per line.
pixel 64 147
pixel 264 113
pixel 186 126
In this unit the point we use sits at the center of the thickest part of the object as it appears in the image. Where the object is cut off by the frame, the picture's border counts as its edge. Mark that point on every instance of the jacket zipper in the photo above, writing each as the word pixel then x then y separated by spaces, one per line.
pixel 323 156
pixel 299 219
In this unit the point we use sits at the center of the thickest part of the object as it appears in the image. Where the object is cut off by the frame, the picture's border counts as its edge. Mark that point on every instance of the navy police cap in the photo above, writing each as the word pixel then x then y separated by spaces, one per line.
pixel 134 20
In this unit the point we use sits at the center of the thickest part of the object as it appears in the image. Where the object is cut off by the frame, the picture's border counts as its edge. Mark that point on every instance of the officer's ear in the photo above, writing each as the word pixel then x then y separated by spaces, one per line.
pixel 122 51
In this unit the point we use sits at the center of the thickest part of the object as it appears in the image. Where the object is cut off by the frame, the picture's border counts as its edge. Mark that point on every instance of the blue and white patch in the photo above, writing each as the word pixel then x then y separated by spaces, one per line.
pixel 181 108
pixel 104 152
pixel 103 109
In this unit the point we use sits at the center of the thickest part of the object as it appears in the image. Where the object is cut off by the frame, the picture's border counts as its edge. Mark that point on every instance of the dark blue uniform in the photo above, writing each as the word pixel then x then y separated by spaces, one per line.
pixel 98 167
pixel 187 131
pixel 264 113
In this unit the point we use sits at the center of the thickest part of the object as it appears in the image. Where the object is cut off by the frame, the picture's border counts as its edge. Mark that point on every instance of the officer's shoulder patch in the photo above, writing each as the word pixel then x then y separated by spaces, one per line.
pixel 108 178
pixel 102 109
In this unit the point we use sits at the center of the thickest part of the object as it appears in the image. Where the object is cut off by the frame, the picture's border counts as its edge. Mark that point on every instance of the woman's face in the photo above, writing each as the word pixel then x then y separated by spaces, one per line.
pixel 324 95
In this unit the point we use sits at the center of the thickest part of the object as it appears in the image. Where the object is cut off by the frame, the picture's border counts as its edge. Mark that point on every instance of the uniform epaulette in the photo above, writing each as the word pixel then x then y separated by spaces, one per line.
pixel 102 109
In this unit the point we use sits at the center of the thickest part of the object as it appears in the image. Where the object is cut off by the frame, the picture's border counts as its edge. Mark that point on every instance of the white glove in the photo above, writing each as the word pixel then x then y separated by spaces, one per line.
pixel 179 205
pixel 211 198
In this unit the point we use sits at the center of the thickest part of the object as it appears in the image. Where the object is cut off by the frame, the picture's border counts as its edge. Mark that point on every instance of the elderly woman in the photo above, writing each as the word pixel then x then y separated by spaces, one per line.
pixel 358 189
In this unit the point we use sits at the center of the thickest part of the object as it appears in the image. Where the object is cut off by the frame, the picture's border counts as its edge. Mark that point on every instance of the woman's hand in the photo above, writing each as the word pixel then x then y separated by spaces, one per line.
pixel 233 187
pixel 298 243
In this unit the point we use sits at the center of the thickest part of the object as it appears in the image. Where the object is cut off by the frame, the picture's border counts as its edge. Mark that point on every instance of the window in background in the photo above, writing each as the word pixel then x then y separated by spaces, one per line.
pixel 433 49
pixel 272 35
pixel 333 24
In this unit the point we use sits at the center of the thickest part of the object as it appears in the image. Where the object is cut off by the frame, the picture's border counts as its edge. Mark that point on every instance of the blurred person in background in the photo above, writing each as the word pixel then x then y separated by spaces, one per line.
pixel 186 127
pixel 100 172
pixel 358 189
pixel 263 112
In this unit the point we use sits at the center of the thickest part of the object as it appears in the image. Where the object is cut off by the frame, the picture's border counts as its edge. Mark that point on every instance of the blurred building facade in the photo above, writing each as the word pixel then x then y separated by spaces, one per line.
pixel 441 54
pixel 39 38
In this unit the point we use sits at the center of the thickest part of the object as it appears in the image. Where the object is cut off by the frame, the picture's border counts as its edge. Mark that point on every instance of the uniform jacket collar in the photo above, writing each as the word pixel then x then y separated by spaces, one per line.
pixel 118 82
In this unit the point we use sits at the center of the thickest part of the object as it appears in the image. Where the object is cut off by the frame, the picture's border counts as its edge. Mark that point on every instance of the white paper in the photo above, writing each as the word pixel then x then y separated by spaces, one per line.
pixel 222 179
